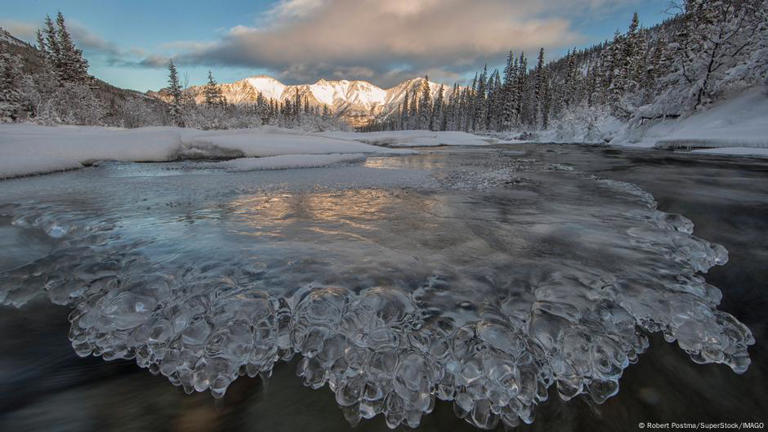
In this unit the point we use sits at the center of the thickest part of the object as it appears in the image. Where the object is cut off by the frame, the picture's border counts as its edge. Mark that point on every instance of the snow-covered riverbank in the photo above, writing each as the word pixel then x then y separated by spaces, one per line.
pixel 734 126
pixel 27 149
pixel 30 149
pixel 737 122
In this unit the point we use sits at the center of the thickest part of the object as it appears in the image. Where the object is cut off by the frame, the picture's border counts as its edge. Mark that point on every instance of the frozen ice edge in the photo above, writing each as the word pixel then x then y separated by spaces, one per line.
pixel 377 350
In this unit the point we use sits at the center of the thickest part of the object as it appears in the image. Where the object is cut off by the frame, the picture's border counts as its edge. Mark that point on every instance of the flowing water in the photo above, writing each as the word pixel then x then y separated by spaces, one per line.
pixel 458 286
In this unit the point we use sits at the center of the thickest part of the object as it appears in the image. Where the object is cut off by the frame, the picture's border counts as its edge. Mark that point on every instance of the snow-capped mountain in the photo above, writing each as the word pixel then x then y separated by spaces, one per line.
pixel 358 102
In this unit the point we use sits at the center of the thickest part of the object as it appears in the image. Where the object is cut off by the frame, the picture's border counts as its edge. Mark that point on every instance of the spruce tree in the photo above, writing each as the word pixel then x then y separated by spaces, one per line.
pixel 425 105
pixel 413 112
pixel 404 111
pixel 538 88
pixel 522 73
pixel 72 66
pixel 212 92
pixel 41 46
pixel 508 92
pixel 175 91
pixel 436 121
pixel 546 99
pixel 53 53
pixel 10 88
pixel 479 103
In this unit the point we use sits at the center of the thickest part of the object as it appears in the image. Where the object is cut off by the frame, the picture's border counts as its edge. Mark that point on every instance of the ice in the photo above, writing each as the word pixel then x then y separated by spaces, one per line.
pixel 735 151
pixel 413 138
pixel 286 162
pixel 505 282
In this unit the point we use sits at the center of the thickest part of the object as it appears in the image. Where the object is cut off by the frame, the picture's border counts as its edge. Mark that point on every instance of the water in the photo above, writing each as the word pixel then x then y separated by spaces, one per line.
pixel 502 281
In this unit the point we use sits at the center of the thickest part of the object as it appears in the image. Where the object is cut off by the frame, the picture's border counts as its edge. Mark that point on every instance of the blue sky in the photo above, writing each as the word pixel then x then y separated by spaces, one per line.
pixel 128 42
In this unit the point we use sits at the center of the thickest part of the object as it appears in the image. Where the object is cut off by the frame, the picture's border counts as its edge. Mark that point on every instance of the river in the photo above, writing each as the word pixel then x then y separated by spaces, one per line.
pixel 452 289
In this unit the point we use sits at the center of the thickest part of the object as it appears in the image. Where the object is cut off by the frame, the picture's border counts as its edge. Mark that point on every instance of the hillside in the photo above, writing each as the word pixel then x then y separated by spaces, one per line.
pixel 113 98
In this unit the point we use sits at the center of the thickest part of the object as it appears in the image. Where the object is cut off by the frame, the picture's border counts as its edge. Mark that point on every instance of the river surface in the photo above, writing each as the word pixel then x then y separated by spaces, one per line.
pixel 554 287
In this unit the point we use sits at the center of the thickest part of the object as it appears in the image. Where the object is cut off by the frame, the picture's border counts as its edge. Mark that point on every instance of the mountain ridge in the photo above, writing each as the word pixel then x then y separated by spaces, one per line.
pixel 358 102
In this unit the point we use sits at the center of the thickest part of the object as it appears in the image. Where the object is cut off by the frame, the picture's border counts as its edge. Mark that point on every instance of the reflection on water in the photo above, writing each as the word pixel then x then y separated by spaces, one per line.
pixel 502 280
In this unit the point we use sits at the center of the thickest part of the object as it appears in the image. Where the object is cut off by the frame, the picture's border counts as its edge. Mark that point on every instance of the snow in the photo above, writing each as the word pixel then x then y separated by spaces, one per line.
pixel 741 121
pixel 30 149
pixel 269 87
pixel 413 138
pixel 356 92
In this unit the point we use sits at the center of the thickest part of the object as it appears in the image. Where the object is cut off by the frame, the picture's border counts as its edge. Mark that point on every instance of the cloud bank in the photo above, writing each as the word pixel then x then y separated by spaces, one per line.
pixel 384 41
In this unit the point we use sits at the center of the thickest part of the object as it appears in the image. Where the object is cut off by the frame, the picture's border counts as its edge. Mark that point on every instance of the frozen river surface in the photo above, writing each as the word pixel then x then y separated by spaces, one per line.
pixel 489 281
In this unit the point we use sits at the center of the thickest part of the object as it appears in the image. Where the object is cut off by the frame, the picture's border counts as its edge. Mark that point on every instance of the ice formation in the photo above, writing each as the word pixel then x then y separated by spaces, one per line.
pixel 202 321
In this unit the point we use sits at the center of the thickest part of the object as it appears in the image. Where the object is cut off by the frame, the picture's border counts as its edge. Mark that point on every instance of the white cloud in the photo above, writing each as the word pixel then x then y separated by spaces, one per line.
pixel 310 39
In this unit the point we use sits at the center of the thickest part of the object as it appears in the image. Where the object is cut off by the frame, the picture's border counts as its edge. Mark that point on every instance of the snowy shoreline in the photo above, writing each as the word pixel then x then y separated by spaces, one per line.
pixel 27 149
pixel 726 128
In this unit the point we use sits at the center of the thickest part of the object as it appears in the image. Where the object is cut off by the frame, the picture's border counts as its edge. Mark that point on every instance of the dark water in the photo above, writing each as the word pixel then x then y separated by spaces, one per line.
pixel 395 222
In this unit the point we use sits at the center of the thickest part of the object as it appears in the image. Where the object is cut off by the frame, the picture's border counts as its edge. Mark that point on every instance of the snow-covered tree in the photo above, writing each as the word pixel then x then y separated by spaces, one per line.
pixel 425 105
pixel 11 100
pixel 175 91
pixel 508 92
pixel 713 35
pixel 71 65
pixel 51 46
pixel 213 94
pixel 437 121
pixel 538 88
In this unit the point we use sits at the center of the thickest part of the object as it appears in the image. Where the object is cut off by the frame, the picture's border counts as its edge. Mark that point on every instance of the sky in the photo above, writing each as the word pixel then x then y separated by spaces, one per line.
pixel 129 43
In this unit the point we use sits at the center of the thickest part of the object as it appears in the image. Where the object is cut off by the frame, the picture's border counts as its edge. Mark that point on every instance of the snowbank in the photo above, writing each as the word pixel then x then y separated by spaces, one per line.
pixel 30 149
pixel 412 138
pixel 741 121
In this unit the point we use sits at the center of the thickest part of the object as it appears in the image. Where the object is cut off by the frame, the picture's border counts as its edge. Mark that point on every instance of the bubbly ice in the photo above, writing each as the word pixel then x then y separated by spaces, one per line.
pixel 391 299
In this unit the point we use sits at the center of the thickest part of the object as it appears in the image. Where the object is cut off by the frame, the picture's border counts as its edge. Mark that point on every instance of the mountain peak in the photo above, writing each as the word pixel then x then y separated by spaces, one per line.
pixel 357 100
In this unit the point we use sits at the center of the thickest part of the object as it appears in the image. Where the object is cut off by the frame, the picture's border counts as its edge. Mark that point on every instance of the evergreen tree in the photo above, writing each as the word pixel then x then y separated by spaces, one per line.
pixel 413 112
pixel 71 65
pixel 10 88
pixel 53 53
pixel 404 111
pixel 522 80
pixel 425 105
pixel 175 91
pixel 212 93
pixel 546 99
pixel 437 121
pixel 508 92
pixel 479 102
pixel 41 46
pixel 538 88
